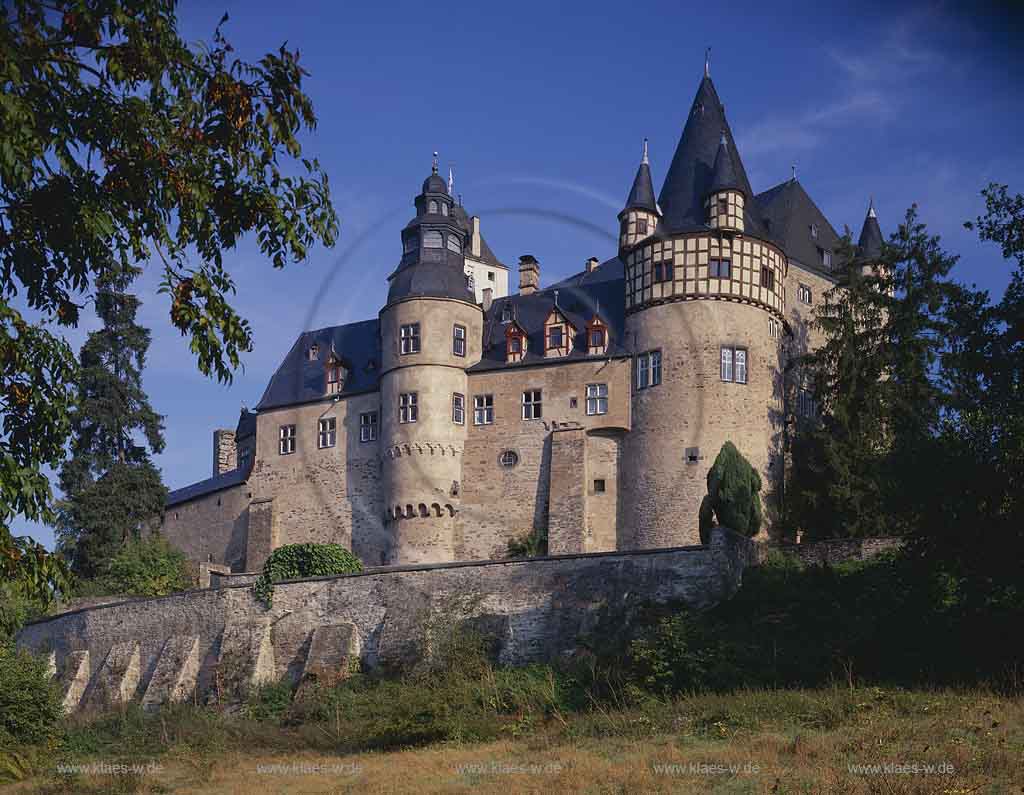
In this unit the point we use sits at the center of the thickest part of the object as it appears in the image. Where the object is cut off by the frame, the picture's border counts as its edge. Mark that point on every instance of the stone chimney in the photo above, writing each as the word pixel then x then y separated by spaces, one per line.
pixel 529 275
pixel 474 237
pixel 592 264
pixel 225 453
pixel 488 298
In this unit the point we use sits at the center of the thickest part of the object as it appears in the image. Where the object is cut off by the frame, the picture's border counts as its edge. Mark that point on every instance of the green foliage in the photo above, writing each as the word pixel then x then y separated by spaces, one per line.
pixel 303 560
pixel 31 579
pixel 531 545
pixel 144 567
pixel 733 495
pixel 29 702
pixel 121 143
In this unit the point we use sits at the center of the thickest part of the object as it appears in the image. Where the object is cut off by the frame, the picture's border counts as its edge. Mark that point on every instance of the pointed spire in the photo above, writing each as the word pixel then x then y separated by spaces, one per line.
pixel 641 195
pixel 707 62
pixel 870 242
pixel 723 174
pixel 451 181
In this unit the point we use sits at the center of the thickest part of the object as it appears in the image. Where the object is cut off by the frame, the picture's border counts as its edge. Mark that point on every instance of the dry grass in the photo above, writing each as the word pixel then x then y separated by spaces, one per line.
pixel 745 742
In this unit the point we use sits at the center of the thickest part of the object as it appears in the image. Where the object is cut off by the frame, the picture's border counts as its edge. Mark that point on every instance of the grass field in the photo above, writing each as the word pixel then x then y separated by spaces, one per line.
pixel 754 741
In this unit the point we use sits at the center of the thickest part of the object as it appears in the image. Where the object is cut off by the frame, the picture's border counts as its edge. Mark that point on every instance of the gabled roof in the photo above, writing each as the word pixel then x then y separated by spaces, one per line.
pixel 225 480
pixel 299 380
pixel 688 180
pixel 870 242
pixel 789 213
pixel 580 297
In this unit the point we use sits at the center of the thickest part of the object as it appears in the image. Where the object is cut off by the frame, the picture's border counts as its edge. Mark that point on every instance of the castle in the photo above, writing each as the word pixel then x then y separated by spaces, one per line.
pixel 463 417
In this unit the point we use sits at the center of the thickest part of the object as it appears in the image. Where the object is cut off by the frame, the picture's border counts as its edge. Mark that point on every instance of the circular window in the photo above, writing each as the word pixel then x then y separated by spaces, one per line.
pixel 509 458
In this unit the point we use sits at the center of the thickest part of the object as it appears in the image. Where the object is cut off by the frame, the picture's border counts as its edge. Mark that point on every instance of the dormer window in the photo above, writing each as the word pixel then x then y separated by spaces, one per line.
pixel 313 353
pixel 335 377
pixel 826 259
pixel 597 336
pixel 814 231
pixel 515 343
pixel 555 337
pixel 558 333
pixel 506 314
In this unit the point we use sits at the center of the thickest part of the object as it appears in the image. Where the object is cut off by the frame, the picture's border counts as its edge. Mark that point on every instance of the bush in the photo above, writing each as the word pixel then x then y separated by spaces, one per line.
pixel 732 498
pixel 30 705
pixel 532 545
pixel 303 560
pixel 144 567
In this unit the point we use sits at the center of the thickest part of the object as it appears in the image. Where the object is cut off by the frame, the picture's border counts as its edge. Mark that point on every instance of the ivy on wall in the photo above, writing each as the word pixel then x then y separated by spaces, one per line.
pixel 303 560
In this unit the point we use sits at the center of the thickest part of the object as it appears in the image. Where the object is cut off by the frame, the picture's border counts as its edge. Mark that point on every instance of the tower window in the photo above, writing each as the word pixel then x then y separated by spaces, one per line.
pixel 459 340
pixel 408 407
pixel 432 207
pixel 641 226
pixel 286 440
pixel 454 244
pixel 663 271
pixel 804 294
pixel 458 409
pixel 599 486
pixel 774 328
pixel 597 399
pixel 432 240
pixel 734 365
pixel 648 369
pixel 767 277
pixel 532 404
pixel 723 205
pixel 720 268
pixel 327 432
pixel 411 241
pixel 508 459
pixel 368 426
pixel 444 209
pixel 483 409
pixel 409 338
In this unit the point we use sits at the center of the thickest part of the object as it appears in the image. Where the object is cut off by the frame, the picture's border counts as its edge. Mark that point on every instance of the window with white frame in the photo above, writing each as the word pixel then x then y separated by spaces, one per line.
pixel 804 294
pixel 483 409
pixel 368 426
pixel 648 369
pixel 532 404
pixel 597 399
pixel 408 407
pixel 774 328
pixel 432 207
pixel 508 458
pixel 458 408
pixel 506 314
pixel 734 364
pixel 327 432
pixel 826 259
pixel 720 268
pixel 459 340
pixel 286 440
pixel 409 338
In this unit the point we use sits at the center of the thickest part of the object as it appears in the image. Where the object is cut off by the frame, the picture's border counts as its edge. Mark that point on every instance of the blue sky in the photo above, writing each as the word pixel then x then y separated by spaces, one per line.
pixel 541 109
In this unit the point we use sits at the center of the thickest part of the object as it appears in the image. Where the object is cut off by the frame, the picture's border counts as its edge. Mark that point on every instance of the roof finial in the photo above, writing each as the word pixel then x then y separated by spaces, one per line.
pixel 724 142
pixel 460 200
pixel 793 178
pixel 451 181
pixel 871 208
pixel 707 62
pixel 644 158
pixel 434 165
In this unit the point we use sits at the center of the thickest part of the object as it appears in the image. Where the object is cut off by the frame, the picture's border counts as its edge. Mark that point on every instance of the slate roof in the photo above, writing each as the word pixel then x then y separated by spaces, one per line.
pixel 486 255
pixel 225 480
pixel 788 213
pixel 724 175
pixel 444 277
pixel 641 195
pixel 246 425
pixel 580 297
pixel 299 380
pixel 688 180
pixel 870 242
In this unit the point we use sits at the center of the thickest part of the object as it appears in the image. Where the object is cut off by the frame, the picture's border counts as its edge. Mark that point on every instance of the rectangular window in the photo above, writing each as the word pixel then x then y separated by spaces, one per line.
pixel 655 357
pixel 597 399
pixel 734 365
pixel 483 409
pixel 531 405
pixel 723 206
pixel 286 440
pixel 368 426
pixel 767 277
pixel 826 259
pixel 408 407
pixel 409 338
pixel 515 344
pixel 720 268
pixel 643 372
pixel 327 433
pixel 805 404
pixel 599 486
pixel 458 409
pixel 490 276
pixel 459 340
pixel 804 294
pixel 597 338
pixel 663 271
pixel 555 337
pixel 641 226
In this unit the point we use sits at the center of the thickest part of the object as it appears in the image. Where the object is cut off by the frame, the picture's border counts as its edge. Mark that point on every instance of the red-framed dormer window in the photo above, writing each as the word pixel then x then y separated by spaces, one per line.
pixel 597 336
pixel 335 376
pixel 515 343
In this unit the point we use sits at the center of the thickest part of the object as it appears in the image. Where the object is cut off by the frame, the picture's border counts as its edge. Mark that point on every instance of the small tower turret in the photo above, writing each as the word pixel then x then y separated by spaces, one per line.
pixel 870 243
pixel 640 217
pixel 726 199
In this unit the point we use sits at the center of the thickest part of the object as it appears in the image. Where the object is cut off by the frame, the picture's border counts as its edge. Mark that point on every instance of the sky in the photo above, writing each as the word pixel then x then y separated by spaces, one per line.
pixel 540 110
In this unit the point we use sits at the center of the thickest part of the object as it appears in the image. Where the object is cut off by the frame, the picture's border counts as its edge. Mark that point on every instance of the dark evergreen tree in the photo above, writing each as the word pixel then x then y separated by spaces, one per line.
pixel 111 487
pixel 733 499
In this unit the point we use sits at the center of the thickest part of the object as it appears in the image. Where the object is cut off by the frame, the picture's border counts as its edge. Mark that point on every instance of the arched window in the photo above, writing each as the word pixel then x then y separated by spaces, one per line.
pixel 432 240
pixel 432 207
pixel 444 209
pixel 423 510
pixel 398 511
pixel 454 244
pixel 437 509
pixel 409 512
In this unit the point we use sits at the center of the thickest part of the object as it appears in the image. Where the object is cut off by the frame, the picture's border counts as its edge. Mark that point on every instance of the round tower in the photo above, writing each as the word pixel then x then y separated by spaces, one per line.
pixel 639 218
pixel 702 299
pixel 431 330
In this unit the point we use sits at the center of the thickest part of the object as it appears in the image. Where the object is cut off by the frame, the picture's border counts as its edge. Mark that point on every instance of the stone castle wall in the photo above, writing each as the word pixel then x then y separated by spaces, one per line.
pixel 191 644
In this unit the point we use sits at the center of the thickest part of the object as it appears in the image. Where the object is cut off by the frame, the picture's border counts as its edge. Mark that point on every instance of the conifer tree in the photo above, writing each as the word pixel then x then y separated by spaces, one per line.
pixel 111 487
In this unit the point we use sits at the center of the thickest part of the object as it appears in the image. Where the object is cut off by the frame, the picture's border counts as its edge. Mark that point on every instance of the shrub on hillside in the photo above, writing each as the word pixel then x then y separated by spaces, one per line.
pixel 303 560
pixel 732 498
pixel 143 567
pixel 29 701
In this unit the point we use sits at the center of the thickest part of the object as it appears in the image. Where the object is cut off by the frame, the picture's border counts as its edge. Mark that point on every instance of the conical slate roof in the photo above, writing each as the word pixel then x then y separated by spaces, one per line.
pixel 689 178
pixel 724 175
pixel 641 195
pixel 870 243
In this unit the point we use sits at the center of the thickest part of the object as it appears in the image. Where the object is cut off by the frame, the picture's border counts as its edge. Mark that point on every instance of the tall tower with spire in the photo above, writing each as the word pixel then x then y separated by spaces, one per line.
pixel 431 330
pixel 702 299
